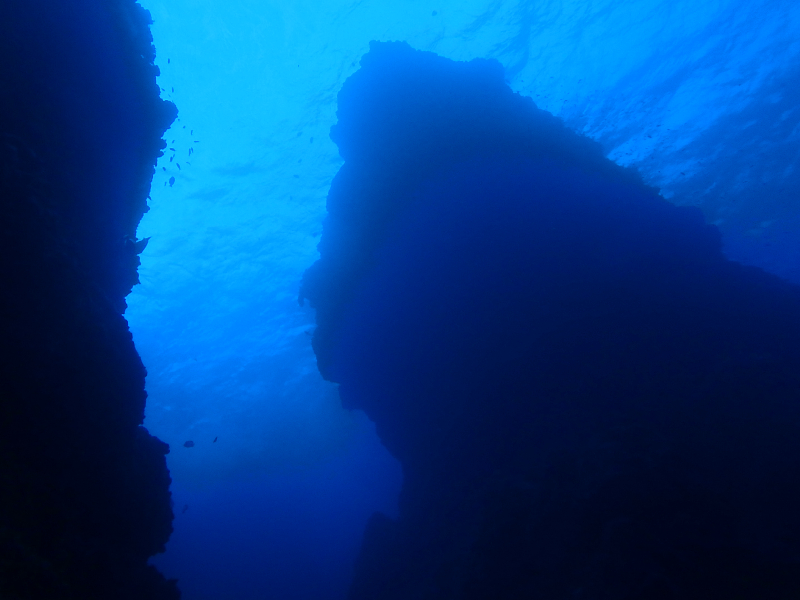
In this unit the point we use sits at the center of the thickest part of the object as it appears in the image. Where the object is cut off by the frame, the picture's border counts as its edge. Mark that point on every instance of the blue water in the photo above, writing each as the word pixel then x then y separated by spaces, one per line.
pixel 701 97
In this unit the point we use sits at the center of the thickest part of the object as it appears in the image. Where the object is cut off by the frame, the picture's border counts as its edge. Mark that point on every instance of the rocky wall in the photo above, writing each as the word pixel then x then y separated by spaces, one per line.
pixel 84 488
pixel 588 399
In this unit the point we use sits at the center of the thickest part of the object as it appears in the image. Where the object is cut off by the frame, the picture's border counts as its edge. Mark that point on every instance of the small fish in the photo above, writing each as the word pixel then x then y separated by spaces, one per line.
pixel 188 444
pixel 167 61
pixel 185 508
pixel 173 90
pixel 178 165
pixel 171 183
pixel 215 439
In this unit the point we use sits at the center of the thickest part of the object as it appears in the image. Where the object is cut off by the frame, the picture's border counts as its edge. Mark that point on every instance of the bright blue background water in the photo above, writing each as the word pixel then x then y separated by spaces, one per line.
pixel 701 96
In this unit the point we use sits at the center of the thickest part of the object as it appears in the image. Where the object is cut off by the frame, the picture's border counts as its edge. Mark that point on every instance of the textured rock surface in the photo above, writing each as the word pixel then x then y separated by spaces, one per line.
pixel 588 400
pixel 84 489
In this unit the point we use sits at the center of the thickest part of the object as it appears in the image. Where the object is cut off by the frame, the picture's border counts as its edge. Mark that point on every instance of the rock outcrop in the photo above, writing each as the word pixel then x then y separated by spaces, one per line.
pixel 84 488
pixel 588 399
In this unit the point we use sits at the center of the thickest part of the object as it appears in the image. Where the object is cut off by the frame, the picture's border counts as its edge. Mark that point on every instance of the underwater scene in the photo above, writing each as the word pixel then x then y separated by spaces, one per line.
pixel 487 299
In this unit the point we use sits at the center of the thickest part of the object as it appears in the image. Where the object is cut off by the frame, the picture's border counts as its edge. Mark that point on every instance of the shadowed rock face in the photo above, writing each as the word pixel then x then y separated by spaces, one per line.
pixel 84 489
pixel 588 400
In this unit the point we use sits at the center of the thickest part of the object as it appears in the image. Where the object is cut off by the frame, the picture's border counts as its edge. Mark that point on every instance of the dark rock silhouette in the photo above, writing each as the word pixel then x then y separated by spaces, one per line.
pixel 84 488
pixel 589 401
